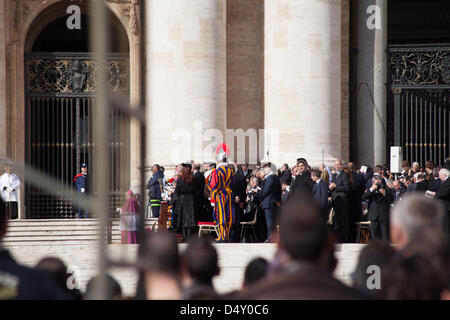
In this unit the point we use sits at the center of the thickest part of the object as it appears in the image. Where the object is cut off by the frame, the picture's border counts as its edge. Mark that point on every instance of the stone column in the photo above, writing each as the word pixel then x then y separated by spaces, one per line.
pixel 186 79
pixel 380 80
pixel 3 66
pixel 303 80
pixel 371 78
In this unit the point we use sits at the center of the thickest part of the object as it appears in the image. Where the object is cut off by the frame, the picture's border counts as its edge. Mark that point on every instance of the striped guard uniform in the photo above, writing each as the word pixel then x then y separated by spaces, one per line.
pixel 222 199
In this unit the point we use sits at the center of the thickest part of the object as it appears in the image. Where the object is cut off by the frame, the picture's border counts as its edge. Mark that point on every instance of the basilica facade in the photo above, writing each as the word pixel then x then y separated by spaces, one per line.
pixel 275 79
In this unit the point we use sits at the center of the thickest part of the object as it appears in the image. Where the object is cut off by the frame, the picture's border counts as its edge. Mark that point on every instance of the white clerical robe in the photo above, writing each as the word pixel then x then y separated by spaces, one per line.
pixel 10 182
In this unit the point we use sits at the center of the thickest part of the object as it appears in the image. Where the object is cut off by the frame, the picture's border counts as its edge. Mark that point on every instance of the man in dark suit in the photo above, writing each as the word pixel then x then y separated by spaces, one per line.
pixel 246 173
pixel 356 192
pixel 379 200
pixel 238 187
pixel 434 182
pixel 199 194
pixel 320 189
pixel 21 283
pixel 421 184
pixel 340 189
pixel 286 175
pixel 308 270
pixel 443 194
pixel 269 196
pixel 398 191
pixel 303 182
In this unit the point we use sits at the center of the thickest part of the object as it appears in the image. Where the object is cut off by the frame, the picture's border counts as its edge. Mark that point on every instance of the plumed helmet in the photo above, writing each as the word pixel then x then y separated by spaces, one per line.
pixel 222 152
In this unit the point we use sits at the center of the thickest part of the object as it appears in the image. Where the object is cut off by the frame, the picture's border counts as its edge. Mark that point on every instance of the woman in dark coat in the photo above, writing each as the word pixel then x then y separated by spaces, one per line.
pixel 184 194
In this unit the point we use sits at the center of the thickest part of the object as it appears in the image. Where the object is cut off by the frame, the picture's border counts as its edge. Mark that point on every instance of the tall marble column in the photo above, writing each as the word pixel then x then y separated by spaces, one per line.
pixel 371 77
pixel 185 79
pixel 303 80
pixel 3 66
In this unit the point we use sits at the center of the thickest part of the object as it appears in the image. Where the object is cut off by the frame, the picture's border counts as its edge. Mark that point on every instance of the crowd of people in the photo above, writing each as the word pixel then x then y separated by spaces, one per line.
pixel 350 194
pixel 417 267
pixel 304 210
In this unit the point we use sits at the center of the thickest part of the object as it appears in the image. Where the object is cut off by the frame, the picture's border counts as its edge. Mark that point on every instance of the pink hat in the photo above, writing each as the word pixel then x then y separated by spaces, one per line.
pixel 130 192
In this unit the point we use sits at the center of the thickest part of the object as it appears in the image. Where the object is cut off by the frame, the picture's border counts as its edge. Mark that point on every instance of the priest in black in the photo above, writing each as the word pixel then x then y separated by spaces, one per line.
pixel 303 183
pixel 340 189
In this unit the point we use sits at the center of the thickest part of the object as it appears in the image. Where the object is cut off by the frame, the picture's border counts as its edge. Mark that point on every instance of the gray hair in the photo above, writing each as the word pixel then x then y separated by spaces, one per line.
pixel 254 179
pixel 415 212
pixel 445 172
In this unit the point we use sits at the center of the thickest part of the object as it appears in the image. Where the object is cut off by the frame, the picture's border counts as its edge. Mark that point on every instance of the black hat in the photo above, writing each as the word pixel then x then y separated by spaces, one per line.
pixel 186 165
pixel 84 165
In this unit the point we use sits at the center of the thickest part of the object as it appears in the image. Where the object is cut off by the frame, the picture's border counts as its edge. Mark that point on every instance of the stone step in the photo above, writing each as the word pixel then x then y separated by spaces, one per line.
pixel 61 231
pixel 59 222
pixel 17 229
pixel 56 233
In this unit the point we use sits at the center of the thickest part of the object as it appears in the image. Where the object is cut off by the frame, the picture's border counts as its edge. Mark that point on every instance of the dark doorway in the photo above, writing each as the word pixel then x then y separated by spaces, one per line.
pixel 60 89
pixel 419 79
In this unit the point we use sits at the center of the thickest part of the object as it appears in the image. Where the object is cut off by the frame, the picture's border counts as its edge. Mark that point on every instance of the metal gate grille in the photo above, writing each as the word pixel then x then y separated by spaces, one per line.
pixel 59 114
pixel 425 125
pixel 420 101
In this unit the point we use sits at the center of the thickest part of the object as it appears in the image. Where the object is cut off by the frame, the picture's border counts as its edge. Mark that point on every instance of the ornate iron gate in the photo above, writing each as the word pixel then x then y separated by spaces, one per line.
pixel 419 106
pixel 59 118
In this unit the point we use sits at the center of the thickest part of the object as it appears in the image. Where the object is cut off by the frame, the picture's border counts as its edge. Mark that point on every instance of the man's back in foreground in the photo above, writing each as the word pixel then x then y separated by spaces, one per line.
pixel 307 272
pixel 301 281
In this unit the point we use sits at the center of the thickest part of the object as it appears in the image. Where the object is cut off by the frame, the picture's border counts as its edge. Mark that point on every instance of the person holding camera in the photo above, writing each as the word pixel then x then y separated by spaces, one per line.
pixel 379 201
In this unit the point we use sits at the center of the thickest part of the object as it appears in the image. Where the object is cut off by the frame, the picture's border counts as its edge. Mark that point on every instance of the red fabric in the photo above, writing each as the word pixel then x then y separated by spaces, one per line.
pixel 78 175
pixel 214 179
pixel 224 147
pixel 206 224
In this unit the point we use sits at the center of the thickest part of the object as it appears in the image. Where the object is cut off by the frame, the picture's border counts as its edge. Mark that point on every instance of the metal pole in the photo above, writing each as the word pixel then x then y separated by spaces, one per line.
pixel 142 104
pixel 98 37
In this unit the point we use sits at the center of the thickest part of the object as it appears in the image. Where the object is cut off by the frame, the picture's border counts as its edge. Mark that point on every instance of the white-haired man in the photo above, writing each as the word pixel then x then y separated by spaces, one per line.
pixel 415 168
pixel 412 215
pixel 443 194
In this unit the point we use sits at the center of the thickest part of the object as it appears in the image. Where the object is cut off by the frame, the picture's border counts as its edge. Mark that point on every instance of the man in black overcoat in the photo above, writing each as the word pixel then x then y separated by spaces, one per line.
pixel 340 189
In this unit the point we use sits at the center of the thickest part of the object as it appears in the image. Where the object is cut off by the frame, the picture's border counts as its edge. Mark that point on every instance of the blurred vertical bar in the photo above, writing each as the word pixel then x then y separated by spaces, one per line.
pixel 142 105
pixel 99 37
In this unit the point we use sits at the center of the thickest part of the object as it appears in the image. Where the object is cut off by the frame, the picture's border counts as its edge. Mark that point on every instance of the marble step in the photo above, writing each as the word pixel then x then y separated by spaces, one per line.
pixel 60 231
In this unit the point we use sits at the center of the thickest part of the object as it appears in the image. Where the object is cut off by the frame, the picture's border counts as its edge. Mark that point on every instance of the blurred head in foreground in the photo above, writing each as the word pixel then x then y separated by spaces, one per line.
pixel 58 271
pixel 255 270
pixel 377 253
pixel 199 267
pixel 113 289
pixel 159 262
pixel 412 215
pixel 304 234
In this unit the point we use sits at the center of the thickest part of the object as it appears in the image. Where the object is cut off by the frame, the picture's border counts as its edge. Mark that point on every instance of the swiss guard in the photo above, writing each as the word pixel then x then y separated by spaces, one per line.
pixel 82 184
pixel 218 181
